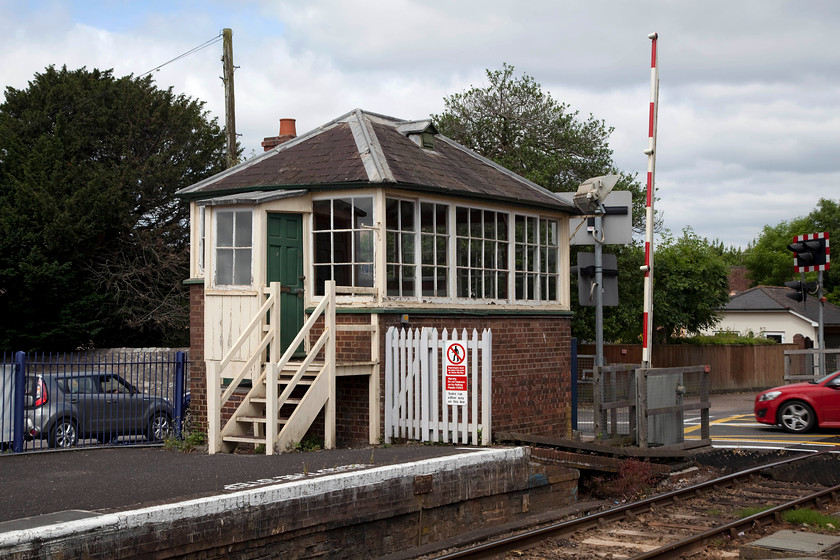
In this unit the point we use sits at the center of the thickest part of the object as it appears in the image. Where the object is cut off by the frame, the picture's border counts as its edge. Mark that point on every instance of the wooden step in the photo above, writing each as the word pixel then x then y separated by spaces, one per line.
pixel 258 419
pixel 245 439
pixel 262 400
pixel 306 379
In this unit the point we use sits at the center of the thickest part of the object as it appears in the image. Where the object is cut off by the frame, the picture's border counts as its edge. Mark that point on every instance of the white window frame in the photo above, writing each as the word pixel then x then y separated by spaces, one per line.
pixel 358 233
pixel 473 263
pixel 442 290
pixel 773 334
pixel 202 238
pixel 405 264
pixel 238 251
pixel 535 259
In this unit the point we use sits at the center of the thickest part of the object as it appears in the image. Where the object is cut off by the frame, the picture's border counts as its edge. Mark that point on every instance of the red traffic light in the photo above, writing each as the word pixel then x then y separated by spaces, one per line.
pixel 811 252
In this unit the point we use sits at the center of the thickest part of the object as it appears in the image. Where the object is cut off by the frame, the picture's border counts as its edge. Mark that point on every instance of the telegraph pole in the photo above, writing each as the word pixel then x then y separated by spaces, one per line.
pixel 230 111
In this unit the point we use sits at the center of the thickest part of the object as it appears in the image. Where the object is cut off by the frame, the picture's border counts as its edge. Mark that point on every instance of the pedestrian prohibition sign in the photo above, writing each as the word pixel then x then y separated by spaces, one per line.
pixel 455 373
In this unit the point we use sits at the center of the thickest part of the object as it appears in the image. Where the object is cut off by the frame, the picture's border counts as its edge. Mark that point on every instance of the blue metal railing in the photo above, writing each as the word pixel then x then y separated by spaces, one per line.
pixel 54 400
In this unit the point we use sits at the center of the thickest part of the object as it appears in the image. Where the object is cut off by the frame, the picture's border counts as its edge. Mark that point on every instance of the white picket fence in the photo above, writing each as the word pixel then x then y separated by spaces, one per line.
pixel 415 392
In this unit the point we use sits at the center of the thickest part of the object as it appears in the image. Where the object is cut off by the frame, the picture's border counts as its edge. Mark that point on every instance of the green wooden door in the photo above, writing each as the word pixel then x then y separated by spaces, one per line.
pixel 285 265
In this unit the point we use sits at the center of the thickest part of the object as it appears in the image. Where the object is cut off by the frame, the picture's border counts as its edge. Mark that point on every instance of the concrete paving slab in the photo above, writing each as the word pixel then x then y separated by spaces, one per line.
pixel 785 543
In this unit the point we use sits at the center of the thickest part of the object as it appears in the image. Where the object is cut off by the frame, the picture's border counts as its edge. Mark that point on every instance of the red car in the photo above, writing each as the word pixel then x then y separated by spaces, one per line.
pixel 800 407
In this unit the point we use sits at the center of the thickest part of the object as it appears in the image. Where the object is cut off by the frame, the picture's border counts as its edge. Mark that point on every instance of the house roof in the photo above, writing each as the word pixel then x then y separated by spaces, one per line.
pixel 773 298
pixel 362 148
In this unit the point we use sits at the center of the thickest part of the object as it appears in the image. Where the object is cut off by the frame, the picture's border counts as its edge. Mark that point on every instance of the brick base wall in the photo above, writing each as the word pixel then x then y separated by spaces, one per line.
pixel 531 368
pixel 369 516
pixel 198 369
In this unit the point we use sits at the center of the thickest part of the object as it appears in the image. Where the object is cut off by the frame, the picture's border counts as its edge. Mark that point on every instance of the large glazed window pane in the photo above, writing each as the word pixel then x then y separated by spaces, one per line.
pixel 323 247
pixel 363 211
pixel 342 247
pixel 224 266
pixel 441 251
pixel 243 229
pixel 462 224
pixel 224 229
pixel 322 212
pixel 427 217
pixel 392 214
pixel 242 267
pixel 364 246
pixel 342 213
pixel 407 215
pixel 364 275
pixel 408 248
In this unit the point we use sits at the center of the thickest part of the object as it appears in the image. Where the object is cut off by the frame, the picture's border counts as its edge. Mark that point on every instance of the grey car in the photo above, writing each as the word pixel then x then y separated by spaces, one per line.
pixel 64 408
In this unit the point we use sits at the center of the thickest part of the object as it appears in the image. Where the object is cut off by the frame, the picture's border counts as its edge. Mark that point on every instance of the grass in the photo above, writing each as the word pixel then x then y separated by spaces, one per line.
pixel 799 516
pixel 811 518
pixel 752 510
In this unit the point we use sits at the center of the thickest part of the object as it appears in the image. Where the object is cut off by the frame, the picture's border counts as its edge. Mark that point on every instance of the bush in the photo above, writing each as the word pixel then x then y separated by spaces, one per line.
pixel 725 339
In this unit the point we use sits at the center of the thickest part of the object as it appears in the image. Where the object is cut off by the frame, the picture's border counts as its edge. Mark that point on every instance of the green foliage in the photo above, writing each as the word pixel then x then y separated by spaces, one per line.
pixel 690 286
pixel 769 261
pixel 93 245
pixel 725 339
pixel 622 323
pixel 749 511
pixel 186 443
pixel 812 518
pixel 513 122
pixel 309 443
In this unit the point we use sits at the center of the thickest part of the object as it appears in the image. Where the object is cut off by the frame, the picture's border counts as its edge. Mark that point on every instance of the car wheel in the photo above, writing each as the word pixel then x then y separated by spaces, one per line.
pixel 796 417
pixel 64 434
pixel 160 426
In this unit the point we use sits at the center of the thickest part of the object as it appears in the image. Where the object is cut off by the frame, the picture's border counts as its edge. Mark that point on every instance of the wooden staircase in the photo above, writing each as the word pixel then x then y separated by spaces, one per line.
pixel 288 395
pixel 250 421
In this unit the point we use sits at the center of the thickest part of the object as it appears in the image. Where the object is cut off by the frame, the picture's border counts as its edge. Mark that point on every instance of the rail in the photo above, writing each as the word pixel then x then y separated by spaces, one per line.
pixel 493 549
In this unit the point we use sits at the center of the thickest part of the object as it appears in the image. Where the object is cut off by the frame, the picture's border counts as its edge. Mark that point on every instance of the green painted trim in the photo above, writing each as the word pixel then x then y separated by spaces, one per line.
pixel 191 281
pixel 199 195
pixel 469 312
pixel 561 207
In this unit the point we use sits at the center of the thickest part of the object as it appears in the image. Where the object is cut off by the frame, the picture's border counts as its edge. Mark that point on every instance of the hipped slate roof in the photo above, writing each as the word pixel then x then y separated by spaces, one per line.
pixel 362 148
pixel 773 299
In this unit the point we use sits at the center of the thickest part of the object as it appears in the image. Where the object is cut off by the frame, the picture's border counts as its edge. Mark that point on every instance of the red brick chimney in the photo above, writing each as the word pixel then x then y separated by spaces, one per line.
pixel 287 132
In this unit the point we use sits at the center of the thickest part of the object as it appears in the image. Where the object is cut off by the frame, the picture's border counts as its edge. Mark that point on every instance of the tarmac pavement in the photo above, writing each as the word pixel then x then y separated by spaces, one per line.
pixel 119 478
pixel 122 478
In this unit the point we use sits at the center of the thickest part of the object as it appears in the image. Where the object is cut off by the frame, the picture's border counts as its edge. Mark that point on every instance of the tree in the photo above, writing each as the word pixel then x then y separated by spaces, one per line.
pixel 93 245
pixel 690 287
pixel 513 122
pixel 622 323
pixel 769 261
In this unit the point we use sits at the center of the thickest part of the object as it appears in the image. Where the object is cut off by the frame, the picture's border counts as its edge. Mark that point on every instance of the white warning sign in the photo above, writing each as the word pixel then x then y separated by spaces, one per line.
pixel 455 373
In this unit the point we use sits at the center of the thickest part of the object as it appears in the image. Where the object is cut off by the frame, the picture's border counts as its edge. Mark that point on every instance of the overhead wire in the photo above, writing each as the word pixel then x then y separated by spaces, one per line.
pixel 204 45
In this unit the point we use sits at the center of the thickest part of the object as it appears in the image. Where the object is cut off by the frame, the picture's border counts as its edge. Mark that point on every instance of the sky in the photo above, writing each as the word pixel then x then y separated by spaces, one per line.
pixel 749 96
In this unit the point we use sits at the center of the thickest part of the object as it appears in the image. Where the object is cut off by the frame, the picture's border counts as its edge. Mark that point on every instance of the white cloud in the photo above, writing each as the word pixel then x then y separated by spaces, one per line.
pixel 749 100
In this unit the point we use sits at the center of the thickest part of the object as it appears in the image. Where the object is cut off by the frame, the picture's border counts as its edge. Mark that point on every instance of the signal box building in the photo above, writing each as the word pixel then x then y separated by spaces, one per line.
pixel 414 230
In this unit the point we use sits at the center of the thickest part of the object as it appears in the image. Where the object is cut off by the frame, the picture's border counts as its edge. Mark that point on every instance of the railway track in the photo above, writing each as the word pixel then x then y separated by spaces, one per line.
pixel 690 521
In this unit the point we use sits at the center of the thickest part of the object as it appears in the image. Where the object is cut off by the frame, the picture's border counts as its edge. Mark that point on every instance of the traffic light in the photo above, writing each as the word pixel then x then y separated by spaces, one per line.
pixel 811 252
pixel 802 289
